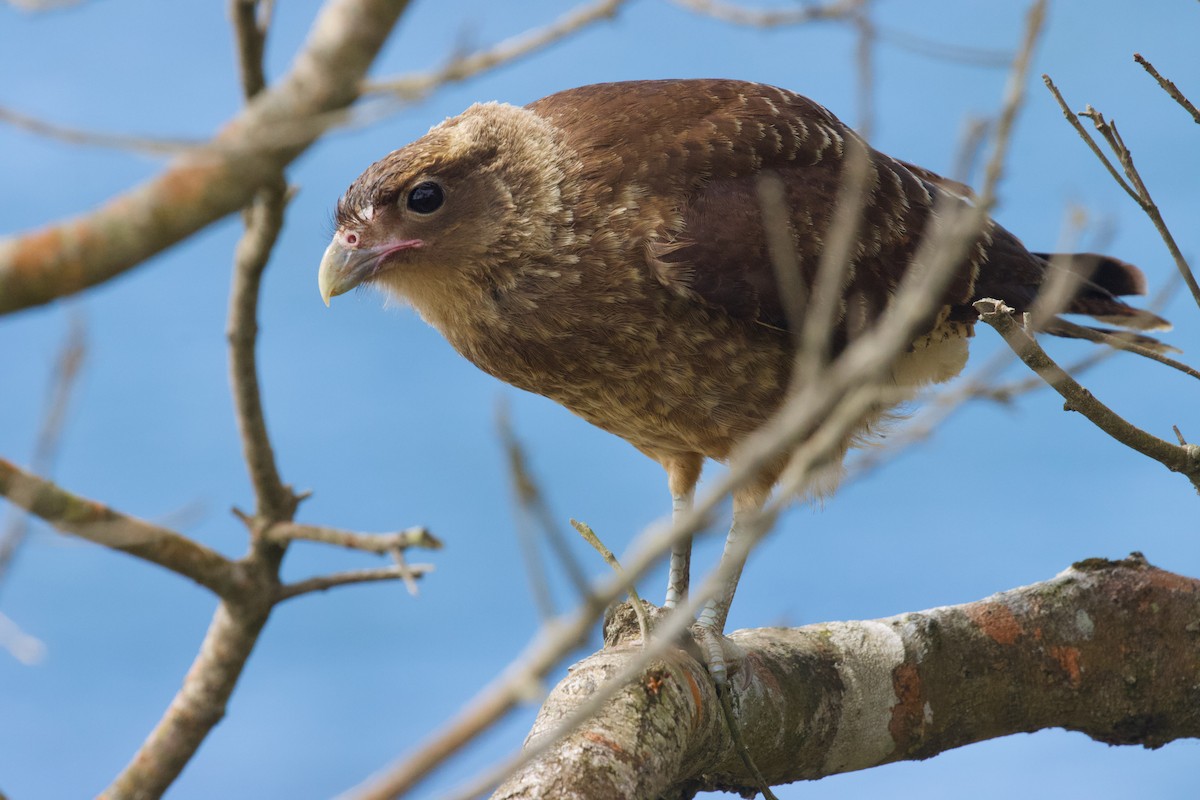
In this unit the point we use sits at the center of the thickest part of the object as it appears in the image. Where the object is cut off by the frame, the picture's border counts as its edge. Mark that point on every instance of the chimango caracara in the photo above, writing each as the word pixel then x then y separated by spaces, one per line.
pixel 604 247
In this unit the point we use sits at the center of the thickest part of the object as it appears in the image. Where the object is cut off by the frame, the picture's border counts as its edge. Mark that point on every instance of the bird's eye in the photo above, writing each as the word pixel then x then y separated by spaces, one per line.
pixel 426 197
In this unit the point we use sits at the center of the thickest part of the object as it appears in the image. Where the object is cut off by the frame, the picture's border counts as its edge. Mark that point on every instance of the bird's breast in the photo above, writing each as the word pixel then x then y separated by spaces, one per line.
pixel 662 372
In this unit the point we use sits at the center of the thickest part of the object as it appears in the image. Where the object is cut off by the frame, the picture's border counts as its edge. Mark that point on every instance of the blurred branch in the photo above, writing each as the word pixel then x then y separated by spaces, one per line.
pixel 1138 190
pixel 323 583
pixel 102 525
pixel 533 514
pixel 145 145
pixel 1183 459
pixel 45 449
pixel 205 185
pixel 420 85
pixel 763 18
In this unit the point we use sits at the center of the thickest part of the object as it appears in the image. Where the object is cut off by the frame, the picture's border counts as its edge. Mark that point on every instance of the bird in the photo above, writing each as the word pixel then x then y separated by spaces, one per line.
pixel 605 247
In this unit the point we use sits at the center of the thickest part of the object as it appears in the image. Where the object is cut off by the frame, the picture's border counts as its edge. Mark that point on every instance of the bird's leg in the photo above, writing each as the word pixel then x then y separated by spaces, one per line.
pixel 682 476
pixel 710 625
pixel 680 573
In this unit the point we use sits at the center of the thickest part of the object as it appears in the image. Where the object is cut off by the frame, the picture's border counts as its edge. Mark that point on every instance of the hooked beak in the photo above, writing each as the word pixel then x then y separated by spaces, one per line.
pixel 343 268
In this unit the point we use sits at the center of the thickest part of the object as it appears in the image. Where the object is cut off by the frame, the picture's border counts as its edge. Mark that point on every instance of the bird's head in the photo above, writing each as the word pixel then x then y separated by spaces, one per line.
pixel 476 193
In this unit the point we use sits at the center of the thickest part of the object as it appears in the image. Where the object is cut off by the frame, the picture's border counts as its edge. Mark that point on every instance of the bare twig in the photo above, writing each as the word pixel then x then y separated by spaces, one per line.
pixel 26 649
pixel 864 61
pixel 944 51
pixel 45 448
pixel 263 221
pixel 419 85
pixel 1169 87
pixel 145 145
pixel 1184 460
pixel 763 18
pixel 323 583
pixel 591 538
pixel 379 543
pixel 533 513
pixel 1136 187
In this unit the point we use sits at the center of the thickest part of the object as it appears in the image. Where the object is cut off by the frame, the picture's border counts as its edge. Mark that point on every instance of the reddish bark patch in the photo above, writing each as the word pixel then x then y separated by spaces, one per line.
pixel 697 698
pixel 603 741
pixel 907 725
pixel 996 621
pixel 1068 661
pixel 1161 579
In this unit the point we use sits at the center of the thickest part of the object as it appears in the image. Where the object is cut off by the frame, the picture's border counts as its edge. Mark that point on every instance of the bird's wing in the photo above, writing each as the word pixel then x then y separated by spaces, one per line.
pixel 699 149
pixel 691 154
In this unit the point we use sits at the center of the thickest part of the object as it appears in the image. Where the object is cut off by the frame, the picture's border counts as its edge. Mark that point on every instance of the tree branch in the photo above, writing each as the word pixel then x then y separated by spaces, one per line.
pixel 100 524
pixel 199 705
pixel 1105 648
pixel 1169 87
pixel 63 380
pixel 203 186
pixel 1138 190
pixel 323 583
pixel 420 85
pixel 1182 459
pixel 379 543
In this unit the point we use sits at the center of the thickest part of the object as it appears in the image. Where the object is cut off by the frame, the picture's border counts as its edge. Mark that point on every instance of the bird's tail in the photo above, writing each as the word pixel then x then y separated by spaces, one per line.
pixel 1100 281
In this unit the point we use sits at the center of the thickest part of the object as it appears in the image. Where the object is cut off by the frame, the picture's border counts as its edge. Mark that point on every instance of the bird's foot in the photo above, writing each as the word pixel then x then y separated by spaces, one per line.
pixel 718 654
pixel 722 657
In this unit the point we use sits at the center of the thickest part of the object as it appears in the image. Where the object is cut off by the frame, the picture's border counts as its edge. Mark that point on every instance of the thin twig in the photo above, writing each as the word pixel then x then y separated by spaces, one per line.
pixel 419 85
pixel 764 18
pixel 1135 188
pixel 379 543
pixel 323 583
pixel 143 145
pixel 533 512
pixel 591 538
pixel 1072 118
pixel 864 63
pixel 1184 460
pixel 263 220
pixel 45 449
pixel 1169 87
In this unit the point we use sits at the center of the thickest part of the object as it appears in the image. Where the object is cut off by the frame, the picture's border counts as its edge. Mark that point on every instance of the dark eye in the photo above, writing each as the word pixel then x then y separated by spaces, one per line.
pixel 426 197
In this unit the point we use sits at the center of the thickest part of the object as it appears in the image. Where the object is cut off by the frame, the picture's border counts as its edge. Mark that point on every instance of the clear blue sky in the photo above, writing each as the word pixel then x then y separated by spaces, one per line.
pixel 390 428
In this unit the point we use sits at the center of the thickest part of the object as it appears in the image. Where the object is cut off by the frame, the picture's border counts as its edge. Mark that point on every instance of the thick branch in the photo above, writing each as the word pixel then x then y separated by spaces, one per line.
pixel 1106 648
pixel 203 186
pixel 98 523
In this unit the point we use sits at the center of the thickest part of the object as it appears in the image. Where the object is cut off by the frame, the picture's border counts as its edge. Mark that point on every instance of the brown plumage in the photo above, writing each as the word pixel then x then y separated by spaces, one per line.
pixel 604 247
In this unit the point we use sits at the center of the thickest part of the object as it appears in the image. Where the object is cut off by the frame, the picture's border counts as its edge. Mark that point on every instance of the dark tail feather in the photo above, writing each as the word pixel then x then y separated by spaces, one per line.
pixel 1092 333
pixel 1104 279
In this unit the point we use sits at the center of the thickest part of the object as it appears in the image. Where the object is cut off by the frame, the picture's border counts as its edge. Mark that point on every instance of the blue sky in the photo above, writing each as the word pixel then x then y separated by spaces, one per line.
pixel 390 428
